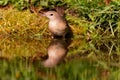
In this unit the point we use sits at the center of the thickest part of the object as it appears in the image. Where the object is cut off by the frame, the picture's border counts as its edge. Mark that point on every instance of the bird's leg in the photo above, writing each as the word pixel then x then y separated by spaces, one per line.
pixel 52 36
pixel 64 36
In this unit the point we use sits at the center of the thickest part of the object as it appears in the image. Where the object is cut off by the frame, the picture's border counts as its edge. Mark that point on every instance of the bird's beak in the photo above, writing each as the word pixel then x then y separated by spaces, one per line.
pixel 42 13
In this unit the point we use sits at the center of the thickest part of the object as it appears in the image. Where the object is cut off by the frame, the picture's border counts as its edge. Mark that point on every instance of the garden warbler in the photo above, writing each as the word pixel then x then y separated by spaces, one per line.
pixel 57 23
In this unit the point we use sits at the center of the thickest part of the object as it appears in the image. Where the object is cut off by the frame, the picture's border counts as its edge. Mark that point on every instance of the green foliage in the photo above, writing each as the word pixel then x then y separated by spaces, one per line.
pixel 22 69
pixel 16 69
pixel 20 4
pixel 4 2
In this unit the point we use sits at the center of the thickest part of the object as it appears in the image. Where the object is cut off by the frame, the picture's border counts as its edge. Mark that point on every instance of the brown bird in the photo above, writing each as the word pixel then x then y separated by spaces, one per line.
pixel 57 24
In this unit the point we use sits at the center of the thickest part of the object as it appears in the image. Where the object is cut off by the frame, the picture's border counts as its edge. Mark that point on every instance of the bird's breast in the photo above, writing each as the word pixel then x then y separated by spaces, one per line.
pixel 53 24
pixel 57 27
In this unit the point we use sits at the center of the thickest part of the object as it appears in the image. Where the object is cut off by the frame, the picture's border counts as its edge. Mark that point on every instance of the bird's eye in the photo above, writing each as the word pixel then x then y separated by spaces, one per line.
pixel 51 14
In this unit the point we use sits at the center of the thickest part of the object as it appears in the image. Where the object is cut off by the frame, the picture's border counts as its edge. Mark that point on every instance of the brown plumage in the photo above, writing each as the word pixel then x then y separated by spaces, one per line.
pixel 58 25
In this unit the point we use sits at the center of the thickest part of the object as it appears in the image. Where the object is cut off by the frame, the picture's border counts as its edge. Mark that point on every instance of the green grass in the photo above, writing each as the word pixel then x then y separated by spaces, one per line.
pixel 24 35
pixel 21 69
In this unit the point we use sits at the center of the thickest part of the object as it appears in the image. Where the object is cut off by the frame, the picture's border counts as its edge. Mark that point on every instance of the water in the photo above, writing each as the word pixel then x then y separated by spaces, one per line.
pixel 26 58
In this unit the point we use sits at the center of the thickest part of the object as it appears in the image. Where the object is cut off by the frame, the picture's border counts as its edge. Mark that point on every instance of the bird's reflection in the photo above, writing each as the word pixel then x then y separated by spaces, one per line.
pixel 57 51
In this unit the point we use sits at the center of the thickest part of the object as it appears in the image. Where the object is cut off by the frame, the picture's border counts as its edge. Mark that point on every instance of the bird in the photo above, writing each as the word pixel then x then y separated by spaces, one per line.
pixel 58 25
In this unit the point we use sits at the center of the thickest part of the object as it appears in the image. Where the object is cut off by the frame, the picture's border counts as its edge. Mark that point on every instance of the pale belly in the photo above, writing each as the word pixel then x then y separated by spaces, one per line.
pixel 57 29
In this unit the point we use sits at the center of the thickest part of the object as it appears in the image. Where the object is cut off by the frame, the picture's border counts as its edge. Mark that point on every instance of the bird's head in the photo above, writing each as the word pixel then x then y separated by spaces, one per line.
pixel 50 14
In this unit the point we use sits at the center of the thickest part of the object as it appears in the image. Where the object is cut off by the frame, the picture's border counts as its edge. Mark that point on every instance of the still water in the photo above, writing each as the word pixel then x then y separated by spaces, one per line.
pixel 58 59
